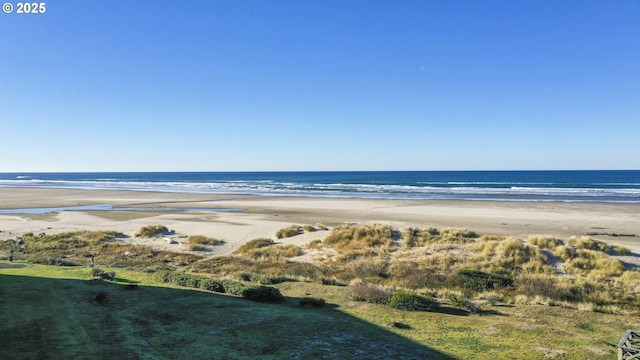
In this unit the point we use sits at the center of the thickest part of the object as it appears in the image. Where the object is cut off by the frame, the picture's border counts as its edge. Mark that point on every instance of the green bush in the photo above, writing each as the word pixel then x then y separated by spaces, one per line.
pixel 548 286
pixel 266 294
pixel 409 301
pixel 192 281
pixel 462 303
pixel 481 281
pixel 111 275
pixel 234 287
pixel 95 272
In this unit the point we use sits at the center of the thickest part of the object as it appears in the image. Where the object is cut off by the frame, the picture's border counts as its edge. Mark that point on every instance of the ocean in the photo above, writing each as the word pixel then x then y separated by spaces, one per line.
pixel 615 186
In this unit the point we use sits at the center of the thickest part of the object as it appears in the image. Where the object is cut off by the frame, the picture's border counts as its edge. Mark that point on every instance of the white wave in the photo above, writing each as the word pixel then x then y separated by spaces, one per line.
pixel 270 187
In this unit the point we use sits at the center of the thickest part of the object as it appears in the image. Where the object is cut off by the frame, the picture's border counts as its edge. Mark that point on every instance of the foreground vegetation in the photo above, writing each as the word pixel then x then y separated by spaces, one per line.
pixel 451 291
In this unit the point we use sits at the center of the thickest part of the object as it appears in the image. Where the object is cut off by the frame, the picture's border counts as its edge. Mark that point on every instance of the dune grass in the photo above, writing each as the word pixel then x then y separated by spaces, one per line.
pixel 352 237
pixel 152 231
pixel 254 244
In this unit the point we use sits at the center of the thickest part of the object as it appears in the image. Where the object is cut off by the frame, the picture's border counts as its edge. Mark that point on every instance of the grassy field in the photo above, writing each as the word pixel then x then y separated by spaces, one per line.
pixel 51 312
pixel 499 298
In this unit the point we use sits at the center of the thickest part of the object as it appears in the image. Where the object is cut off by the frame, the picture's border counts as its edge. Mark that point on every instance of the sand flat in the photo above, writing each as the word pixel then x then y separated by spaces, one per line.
pixel 262 216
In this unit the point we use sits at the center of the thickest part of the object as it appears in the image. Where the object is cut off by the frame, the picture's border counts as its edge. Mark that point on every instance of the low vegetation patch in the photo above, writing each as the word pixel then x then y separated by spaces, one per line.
pixel 203 240
pixel 545 242
pixel 266 294
pixel 152 231
pixel 190 280
pixel 314 244
pixel 276 253
pixel 360 291
pixel 418 237
pixel 409 301
pixel 311 301
pixel 254 244
pixel 289 231
pixel 351 237
pixel 479 281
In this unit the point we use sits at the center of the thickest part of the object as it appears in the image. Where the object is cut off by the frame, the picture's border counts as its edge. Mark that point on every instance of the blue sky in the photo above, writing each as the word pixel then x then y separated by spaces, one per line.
pixel 320 85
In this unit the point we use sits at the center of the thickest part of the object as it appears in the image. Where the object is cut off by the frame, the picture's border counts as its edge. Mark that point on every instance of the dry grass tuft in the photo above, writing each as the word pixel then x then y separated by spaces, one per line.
pixel 351 237
pixel 203 240
pixel 254 244
pixel 418 237
pixel 152 231
pixel 545 242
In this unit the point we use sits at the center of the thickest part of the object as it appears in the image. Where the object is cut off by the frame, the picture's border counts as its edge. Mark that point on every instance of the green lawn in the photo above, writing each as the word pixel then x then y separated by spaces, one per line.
pixel 51 312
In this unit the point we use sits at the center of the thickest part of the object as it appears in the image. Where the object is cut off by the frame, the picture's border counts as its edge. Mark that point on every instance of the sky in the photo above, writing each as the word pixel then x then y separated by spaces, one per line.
pixel 277 85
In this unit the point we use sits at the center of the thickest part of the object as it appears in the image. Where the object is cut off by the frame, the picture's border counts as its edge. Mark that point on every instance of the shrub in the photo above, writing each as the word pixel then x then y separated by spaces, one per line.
pixel 234 287
pixel 254 244
pixel 203 240
pixel 331 281
pixel 480 281
pixel 152 231
pixel 190 280
pixel 462 303
pixel 95 272
pixel 270 279
pixel 360 291
pixel 111 275
pixel 290 231
pixel 409 301
pixel 263 294
pixel 212 285
pixel 315 302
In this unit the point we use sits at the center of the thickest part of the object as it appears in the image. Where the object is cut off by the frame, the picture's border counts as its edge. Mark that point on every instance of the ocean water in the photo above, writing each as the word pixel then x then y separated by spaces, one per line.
pixel 621 186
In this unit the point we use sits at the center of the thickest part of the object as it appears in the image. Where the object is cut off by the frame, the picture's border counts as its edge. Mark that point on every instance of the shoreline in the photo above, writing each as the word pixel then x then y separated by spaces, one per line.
pixel 262 216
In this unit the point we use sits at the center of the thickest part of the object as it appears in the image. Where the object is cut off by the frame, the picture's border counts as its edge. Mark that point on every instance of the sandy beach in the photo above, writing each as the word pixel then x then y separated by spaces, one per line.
pixel 261 216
